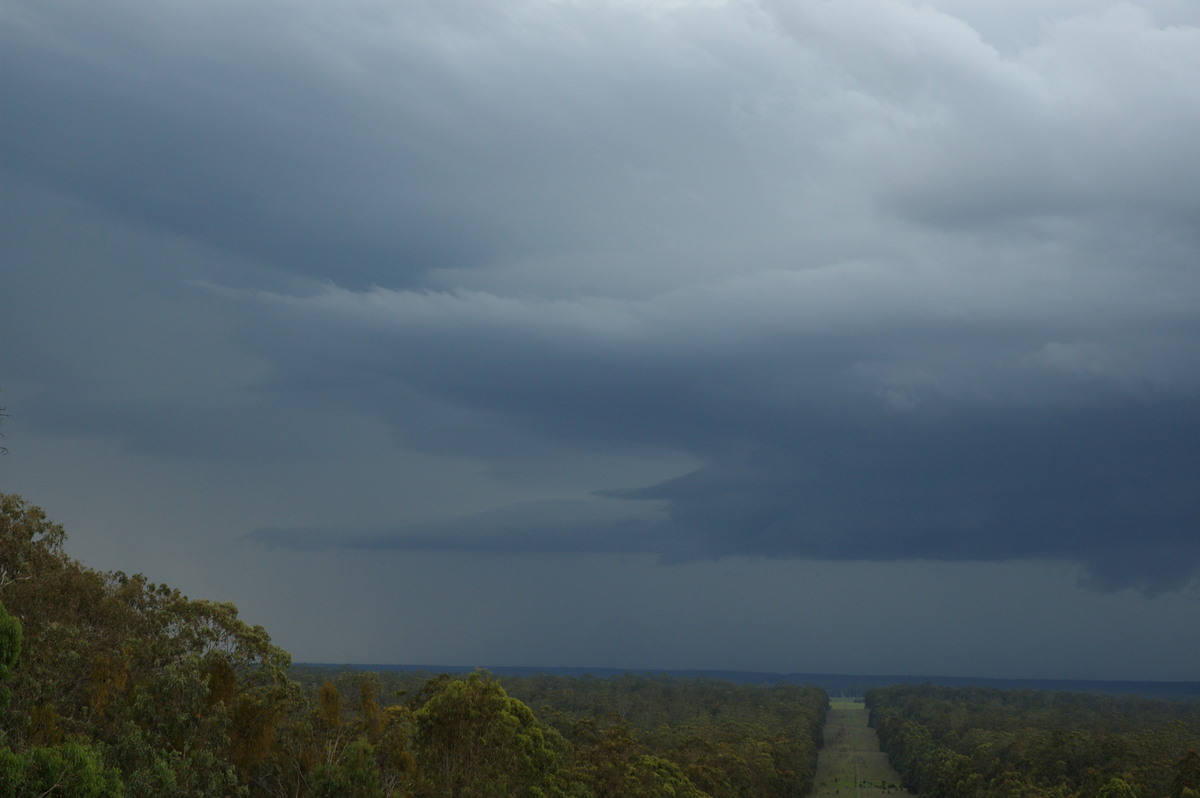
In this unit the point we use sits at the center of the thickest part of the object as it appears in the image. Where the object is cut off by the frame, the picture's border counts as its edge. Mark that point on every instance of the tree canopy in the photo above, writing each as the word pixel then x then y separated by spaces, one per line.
pixel 114 685
pixel 988 743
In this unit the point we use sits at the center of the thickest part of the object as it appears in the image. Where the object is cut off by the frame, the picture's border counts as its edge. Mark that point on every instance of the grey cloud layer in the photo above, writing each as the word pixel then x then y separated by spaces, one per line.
pixel 844 416
pixel 909 280
pixel 385 142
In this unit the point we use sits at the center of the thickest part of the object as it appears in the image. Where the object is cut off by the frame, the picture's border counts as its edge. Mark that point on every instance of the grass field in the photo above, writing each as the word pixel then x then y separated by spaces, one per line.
pixel 851 764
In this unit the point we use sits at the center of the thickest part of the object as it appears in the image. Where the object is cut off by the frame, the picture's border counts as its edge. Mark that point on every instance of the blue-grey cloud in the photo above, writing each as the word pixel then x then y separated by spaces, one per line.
pixel 843 417
pixel 561 526
pixel 378 144
pixel 1113 488
pixel 701 281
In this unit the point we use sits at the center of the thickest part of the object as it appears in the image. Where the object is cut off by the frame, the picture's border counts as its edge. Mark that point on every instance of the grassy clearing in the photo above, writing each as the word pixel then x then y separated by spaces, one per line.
pixel 851 764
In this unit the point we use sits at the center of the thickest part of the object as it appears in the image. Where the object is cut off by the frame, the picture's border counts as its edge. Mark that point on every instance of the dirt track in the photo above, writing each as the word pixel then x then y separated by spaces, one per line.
pixel 851 764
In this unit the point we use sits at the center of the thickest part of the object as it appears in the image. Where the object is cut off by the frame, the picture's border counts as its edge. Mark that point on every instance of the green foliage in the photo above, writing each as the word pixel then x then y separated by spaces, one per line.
pixel 119 686
pixel 651 776
pixel 608 737
pixel 985 743
pixel 1117 788
pixel 151 678
pixel 11 633
pixel 356 775
pixel 10 642
pixel 475 740
pixel 729 740
pixel 70 770
pixel 1187 775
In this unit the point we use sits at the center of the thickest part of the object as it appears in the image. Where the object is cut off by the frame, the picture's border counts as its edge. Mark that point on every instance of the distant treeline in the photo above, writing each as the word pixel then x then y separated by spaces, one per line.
pixel 988 743
pixel 847 685
pixel 111 685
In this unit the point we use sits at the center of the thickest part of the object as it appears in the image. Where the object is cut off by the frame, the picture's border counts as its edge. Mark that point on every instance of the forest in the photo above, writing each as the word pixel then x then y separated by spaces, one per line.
pixel 976 742
pixel 112 685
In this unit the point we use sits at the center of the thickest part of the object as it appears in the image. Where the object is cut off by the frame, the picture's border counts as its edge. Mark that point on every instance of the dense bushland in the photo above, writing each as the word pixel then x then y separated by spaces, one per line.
pixel 111 685
pixel 640 735
pixel 729 739
pixel 987 743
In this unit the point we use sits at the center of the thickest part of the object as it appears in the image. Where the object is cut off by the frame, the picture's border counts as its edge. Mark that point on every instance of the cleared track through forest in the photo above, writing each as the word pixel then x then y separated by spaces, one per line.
pixel 851 764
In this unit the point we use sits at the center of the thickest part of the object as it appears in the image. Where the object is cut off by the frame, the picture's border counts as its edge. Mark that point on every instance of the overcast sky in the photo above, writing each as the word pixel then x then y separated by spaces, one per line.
pixel 856 336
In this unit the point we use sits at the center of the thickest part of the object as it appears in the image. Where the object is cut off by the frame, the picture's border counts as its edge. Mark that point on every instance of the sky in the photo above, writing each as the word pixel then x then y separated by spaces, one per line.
pixel 776 335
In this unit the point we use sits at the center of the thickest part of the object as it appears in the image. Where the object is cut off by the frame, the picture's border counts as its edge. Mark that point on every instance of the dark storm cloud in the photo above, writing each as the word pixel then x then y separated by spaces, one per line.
pixel 1115 488
pixel 232 125
pixel 906 281
pixel 843 417
pixel 563 526
pixel 374 144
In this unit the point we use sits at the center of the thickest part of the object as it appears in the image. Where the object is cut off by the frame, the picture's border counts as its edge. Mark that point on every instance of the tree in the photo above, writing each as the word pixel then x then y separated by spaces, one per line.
pixel 1187 775
pixel 10 649
pixel 1117 788
pixel 474 741
pixel 72 770
pixel 355 776
pixel 181 695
